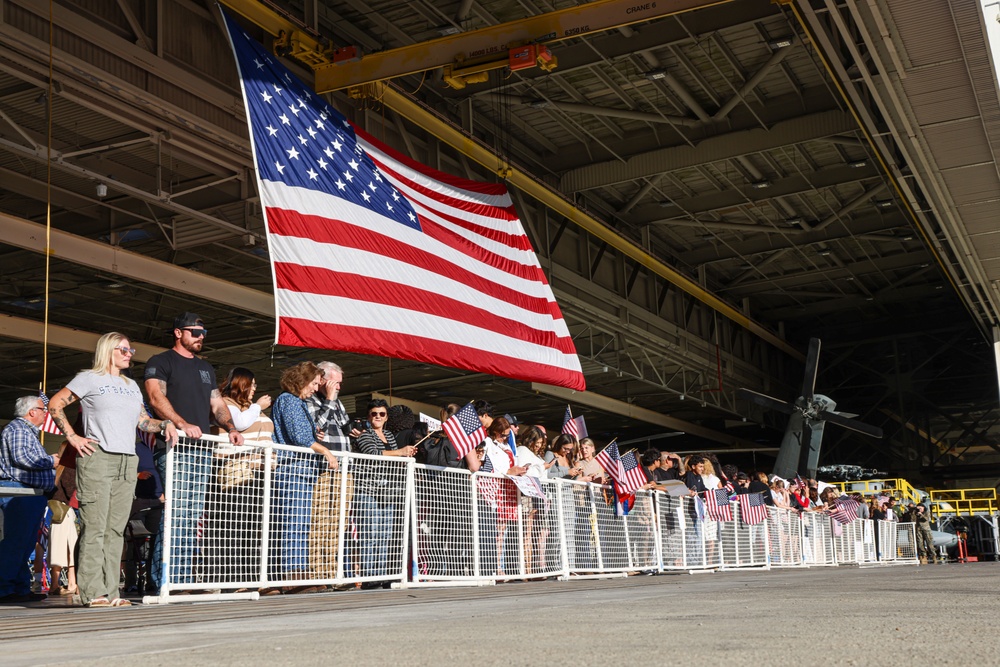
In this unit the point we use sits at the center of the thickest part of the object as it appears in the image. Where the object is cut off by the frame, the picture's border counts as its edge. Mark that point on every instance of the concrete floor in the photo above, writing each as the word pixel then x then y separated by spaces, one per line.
pixel 942 615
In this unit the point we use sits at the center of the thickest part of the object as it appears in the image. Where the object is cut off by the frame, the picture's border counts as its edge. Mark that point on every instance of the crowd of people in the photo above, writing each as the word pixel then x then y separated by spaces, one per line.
pixel 92 481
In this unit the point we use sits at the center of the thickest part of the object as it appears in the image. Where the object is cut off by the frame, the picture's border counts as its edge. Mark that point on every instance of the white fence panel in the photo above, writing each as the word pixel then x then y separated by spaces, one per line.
pixel 258 517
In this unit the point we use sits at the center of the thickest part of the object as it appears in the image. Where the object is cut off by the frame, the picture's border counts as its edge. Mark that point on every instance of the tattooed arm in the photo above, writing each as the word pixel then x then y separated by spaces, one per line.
pixel 149 425
pixel 57 409
pixel 222 417
pixel 157 392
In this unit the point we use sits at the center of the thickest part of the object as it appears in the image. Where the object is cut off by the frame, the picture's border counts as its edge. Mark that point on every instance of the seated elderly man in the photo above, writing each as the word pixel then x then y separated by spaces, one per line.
pixel 23 465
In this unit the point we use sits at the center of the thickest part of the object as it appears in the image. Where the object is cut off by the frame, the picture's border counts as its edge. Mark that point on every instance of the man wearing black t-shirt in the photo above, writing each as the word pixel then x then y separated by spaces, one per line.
pixel 182 389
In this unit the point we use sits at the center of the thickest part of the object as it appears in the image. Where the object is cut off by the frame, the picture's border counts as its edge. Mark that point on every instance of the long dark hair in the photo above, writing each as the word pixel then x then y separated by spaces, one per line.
pixel 237 386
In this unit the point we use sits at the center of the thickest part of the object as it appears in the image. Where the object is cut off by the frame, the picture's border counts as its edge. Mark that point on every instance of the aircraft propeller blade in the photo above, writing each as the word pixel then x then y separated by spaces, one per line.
pixel 765 401
pixel 812 368
pixel 852 424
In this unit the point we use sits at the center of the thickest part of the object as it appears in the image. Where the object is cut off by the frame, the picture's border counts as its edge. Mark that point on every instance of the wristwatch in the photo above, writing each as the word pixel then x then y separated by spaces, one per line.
pixel 164 424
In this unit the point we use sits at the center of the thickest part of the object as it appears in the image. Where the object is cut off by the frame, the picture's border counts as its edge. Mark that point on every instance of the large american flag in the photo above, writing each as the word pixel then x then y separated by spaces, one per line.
pixel 375 253
pixel 845 509
pixel 752 508
pixel 717 505
pixel 48 425
pixel 574 426
pixel 464 430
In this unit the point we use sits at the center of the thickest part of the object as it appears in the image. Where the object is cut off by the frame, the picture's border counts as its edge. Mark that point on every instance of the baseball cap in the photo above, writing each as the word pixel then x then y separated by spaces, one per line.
pixel 187 319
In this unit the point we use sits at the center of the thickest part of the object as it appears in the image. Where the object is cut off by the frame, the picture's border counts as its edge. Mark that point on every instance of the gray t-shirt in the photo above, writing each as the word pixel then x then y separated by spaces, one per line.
pixel 111 405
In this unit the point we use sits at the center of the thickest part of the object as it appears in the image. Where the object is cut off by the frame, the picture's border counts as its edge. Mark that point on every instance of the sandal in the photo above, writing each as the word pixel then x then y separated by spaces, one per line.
pixel 99 602
pixel 69 591
pixel 120 602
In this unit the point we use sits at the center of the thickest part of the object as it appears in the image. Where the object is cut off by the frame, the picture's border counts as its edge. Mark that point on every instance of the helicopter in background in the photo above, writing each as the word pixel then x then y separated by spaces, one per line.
pixel 808 416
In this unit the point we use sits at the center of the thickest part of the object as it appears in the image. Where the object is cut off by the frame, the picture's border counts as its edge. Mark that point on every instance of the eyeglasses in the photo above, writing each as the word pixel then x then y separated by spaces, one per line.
pixel 39 407
pixel 126 350
pixel 374 413
pixel 196 333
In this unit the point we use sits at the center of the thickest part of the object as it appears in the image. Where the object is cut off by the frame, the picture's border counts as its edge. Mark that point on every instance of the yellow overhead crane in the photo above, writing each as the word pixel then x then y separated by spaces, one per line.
pixel 466 57
pixel 366 76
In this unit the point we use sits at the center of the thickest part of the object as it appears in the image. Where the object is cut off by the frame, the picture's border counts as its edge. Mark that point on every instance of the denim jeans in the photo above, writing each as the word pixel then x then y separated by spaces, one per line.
pixel 374 516
pixel 186 500
pixel 291 509
pixel 22 516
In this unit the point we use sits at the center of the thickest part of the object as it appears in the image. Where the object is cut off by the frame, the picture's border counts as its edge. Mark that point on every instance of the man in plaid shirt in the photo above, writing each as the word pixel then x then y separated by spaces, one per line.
pixel 330 418
pixel 23 464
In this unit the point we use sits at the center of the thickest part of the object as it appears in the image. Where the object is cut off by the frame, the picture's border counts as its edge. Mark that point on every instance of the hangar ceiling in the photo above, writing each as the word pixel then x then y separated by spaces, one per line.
pixel 723 183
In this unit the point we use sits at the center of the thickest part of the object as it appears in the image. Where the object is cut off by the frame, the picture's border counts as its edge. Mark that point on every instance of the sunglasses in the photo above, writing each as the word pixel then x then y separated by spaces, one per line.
pixel 196 333
pixel 374 413
pixel 126 350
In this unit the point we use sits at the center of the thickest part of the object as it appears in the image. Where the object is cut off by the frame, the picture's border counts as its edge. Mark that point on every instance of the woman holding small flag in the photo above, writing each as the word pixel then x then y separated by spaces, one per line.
pixel 500 458
pixel 586 469
pixel 530 450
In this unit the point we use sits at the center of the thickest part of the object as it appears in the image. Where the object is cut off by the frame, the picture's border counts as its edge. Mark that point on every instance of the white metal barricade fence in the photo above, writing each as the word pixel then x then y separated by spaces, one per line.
pixel 743 545
pixel 643 533
pixel 906 543
pixel 277 516
pixel 817 540
pixel 257 517
pixel 784 538
pixel 444 533
pixel 886 544
pixel 670 518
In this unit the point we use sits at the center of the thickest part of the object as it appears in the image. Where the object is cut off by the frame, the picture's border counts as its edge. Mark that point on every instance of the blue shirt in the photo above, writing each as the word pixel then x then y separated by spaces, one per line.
pixel 293 425
pixel 22 458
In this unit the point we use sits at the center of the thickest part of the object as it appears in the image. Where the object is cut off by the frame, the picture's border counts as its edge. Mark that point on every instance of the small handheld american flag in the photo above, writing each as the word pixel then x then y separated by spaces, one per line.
pixel 634 477
pixel 752 508
pixel 48 425
pixel 464 430
pixel 610 460
pixel 846 509
pixel 717 505
pixel 574 426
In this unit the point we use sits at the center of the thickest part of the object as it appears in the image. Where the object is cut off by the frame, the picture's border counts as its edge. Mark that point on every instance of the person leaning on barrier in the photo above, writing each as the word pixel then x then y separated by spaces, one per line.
pixel 111 406
pixel 296 473
pixel 239 486
pixel 559 458
pixel 332 431
pixel 651 465
pixel 374 483
pixel 23 465
pixel 530 450
pixel 586 468
pixel 694 479
pixel 400 422
pixel 182 389
pixel 863 512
